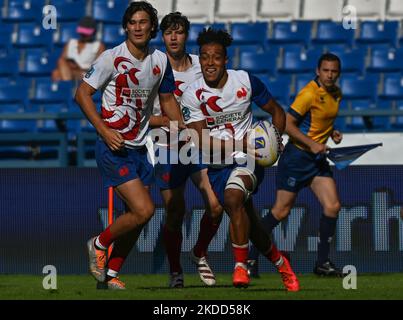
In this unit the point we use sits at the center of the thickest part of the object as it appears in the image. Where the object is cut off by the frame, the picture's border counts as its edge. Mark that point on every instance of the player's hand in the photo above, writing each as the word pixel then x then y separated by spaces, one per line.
pixel 113 139
pixel 319 148
pixel 337 136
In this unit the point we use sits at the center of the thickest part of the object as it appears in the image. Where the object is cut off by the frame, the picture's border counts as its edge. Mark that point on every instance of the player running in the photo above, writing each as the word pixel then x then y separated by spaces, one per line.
pixel 220 103
pixel 171 178
pixel 309 125
pixel 130 77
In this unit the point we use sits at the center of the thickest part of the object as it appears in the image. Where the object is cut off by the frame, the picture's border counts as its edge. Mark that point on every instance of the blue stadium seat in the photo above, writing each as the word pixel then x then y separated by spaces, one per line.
pixel 157 41
pixel 301 80
pixel 39 64
pixel 33 35
pixel 352 62
pixel 9 66
pixel 47 92
pixel 112 35
pixel 14 94
pixel 382 122
pixel 298 32
pixel 250 33
pixel 66 32
pixel 255 48
pixel 6 32
pixel 333 33
pixel 23 13
pixel 358 89
pixel 13 126
pixel 258 62
pixel 386 61
pixel 360 122
pixel 196 28
pixel 110 11
pixel 398 122
pixel 392 88
pixel 295 62
pixel 372 32
pixel 280 90
pixel 69 10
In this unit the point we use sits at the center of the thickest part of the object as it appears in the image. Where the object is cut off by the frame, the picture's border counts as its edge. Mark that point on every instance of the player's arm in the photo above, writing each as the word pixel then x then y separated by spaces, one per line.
pixel 336 136
pixel 159 121
pixel 263 98
pixel 200 134
pixel 298 109
pixel 96 77
pixel 83 97
pixel 168 102
pixel 171 109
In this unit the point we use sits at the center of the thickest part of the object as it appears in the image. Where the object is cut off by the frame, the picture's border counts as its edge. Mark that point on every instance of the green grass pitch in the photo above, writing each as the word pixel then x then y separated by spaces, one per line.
pixel 154 287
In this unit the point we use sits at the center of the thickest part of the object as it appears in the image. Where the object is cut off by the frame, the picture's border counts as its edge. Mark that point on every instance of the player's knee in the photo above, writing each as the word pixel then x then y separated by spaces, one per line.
pixel 333 209
pixel 232 201
pixel 281 212
pixel 145 213
pixel 216 212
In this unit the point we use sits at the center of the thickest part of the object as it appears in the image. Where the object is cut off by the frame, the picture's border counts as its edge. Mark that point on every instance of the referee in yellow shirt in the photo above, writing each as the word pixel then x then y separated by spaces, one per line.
pixel 309 125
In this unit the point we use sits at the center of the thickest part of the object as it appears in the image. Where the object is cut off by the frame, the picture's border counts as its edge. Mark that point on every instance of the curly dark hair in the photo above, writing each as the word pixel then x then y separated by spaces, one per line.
pixel 175 20
pixel 211 35
pixel 142 6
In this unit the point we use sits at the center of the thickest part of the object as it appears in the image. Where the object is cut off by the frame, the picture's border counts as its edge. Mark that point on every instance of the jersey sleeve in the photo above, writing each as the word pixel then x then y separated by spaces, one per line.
pixel 101 71
pixel 260 94
pixel 191 107
pixel 168 81
pixel 301 105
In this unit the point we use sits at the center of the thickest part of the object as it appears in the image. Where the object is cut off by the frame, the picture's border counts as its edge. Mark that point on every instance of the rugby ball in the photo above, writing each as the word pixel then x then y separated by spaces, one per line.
pixel 265 140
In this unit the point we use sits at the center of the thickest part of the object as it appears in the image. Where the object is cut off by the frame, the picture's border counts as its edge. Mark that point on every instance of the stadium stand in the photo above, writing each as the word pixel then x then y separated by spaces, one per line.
pixel 322 10
pixel 369 9
pixel 236 11
pixel 278 10
pixel 198 11
pixel 277 40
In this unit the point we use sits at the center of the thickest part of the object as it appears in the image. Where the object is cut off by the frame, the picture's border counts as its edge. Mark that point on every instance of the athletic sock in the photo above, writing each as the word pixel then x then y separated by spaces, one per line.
pixel 327 229
pixel 274 255
pixel 173 246
pixel 270 222
pixel 240 254
pixel 105 239
pixel 207 231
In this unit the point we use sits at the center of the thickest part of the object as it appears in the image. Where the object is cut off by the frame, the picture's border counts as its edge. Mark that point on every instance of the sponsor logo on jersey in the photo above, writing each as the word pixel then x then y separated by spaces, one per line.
pixel 224 118
pixel 186 113
pixel 90 72
pixel 133 93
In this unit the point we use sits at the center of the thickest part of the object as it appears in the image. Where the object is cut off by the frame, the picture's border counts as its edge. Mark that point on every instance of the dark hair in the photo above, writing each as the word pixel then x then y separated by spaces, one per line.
pixel 329 57
pixel 210 35
pixel 175 20
pixel 142 6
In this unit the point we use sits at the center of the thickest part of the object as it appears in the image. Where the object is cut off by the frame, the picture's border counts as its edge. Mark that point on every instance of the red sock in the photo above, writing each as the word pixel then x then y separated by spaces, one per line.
pixel 115 263
pixel 106 238
pixel 207 231
pixel 173 246
pixel 273 255
pixel 240 253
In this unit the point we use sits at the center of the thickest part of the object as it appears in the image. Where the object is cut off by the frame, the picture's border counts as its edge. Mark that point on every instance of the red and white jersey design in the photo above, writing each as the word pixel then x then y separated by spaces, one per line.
pixel 227 111
pixel 182 80
pixel 129 87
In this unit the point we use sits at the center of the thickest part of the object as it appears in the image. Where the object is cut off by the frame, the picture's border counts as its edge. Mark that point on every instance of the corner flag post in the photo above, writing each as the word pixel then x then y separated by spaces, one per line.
pixel 110 213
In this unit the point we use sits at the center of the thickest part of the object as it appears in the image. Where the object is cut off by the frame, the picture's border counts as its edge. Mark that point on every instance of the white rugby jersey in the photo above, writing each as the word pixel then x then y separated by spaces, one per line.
pixel 182 80
pixel 227 111
pixel 129 87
